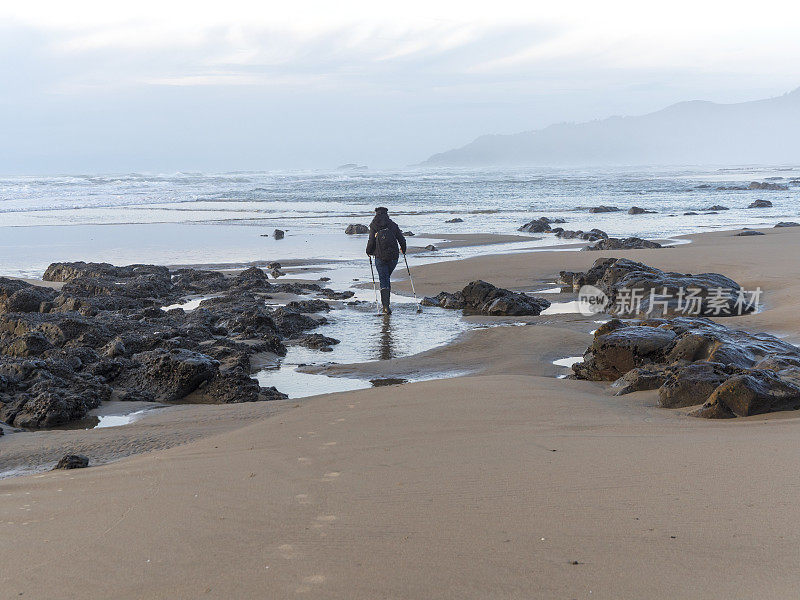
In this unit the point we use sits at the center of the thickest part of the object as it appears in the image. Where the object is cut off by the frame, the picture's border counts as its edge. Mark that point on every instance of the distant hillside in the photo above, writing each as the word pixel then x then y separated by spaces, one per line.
pixel 696 132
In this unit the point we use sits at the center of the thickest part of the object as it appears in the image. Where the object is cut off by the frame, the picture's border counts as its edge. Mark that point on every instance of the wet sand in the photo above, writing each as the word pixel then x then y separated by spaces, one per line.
pixel 508 483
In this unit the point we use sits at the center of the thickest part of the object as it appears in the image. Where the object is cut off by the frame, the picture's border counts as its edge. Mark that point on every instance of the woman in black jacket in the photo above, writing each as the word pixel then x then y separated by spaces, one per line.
pixel 385 243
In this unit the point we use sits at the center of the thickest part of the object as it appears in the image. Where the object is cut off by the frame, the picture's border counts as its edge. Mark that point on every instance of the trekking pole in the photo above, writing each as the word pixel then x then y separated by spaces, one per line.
pixel 374 289
pixel 413 291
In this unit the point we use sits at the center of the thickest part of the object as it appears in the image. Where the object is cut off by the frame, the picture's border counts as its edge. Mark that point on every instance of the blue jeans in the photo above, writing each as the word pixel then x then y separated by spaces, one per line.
pixel 385 269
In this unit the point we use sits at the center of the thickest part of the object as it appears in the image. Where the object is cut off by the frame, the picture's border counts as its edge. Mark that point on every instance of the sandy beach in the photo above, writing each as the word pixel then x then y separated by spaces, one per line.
pixel 503 483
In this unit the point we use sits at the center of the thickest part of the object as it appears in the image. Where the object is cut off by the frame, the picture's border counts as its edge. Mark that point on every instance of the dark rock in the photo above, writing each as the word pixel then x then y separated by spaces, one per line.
pixel 252 275
pixel 316 341
pixel 591 236
pixel 290 323
pixel 431 248
pixel 456 220
pixel 273 265
pixel 696 361
pixel 356 228
pixel 197 281
pixel 604 209
pixel 278 234
pixel 487 299
pixel 615 351
pixel 636 210
pixel 408 233
pixel 691 385
pixel 748 233
pixel 175 374
pixel 72 461
pixel 445 300
pixel 650 377
pixel 631 243
pixel 787 224
pixel 334 295
pixel 690 214
pixel 44 393
pixel 25 298
pixel 763 185
pixel 752 393
pixel 637 289
pixel 309 306
pixel 32 343
pixel 481 297
pixel 271 393
pixel 760 204
pixel 540 225
pixel 717 207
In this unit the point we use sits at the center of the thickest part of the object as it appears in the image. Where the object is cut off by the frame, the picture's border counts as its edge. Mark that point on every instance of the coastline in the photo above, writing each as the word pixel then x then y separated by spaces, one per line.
pixel 522 473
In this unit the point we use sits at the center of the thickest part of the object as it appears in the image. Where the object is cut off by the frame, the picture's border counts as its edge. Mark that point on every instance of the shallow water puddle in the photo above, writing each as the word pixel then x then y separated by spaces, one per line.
pixel 567 363
pixel 188 305
pixel 297 384
pixel 563 308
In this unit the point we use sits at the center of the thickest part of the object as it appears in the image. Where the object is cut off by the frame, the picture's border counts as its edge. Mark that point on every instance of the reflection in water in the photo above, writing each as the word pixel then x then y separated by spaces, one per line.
pixel 386 348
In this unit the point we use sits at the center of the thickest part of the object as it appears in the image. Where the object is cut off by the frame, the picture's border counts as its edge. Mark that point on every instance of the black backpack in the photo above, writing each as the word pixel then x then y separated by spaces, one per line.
pixel 386 244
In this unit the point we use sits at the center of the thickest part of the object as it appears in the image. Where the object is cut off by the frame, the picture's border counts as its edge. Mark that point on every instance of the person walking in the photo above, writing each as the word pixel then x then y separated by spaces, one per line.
pixel 385 243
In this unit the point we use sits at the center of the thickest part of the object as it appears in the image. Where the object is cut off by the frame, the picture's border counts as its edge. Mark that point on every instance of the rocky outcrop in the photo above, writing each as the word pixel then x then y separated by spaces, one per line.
pixel 635 289
pixel 637 210
pixel 445 300
pixel 604 209
pixel 716 208
pixel 590 236
pixel 105 335
pixel 748 233
pixel 278 234
pixel 308 306
pixel 485 298
pixel 356 228
pixel 694 362
pixel 766 185
pixel 631 243
pixel 72 461
pixel 455 220
pixel 787 224
pixel 540 225
pixel 760 204
pixel 317 341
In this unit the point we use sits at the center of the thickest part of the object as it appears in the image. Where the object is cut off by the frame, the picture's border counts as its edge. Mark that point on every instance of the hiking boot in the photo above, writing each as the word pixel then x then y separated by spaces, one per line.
pixel 385 301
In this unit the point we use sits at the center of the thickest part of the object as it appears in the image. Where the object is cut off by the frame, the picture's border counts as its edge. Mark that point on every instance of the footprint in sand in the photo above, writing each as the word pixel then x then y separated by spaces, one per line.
pixel 309 583
pixel 287 551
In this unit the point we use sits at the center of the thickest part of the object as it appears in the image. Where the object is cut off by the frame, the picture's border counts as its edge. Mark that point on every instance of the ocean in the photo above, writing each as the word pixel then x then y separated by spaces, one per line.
pixel 223 218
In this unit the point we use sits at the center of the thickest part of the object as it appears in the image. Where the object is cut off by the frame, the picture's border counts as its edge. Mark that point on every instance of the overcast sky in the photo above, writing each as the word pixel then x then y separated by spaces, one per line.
pixel 169 86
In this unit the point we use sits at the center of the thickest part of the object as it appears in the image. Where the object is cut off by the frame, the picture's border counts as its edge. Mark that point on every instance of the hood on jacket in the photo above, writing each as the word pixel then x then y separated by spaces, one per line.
pixel 380 220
